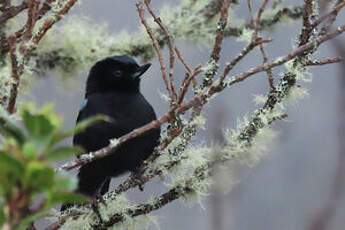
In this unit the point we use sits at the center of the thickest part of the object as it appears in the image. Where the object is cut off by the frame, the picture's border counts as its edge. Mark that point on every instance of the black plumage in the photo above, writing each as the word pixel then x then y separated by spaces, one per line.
pixel 113 89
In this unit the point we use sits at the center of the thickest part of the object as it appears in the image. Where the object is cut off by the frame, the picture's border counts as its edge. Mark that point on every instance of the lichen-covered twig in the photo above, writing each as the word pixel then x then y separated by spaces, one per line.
pixel 172 153
pixel 57 59
pixel 12 12
pixel 203 98
pixel 171 50
pixel 256 23
pixel 330 15
pixel 323 62
pixel 30 42
pixel 215 55
pixel 158 52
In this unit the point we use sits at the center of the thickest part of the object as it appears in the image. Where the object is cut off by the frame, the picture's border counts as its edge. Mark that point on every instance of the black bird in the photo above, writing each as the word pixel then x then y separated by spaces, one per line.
pixel 112 89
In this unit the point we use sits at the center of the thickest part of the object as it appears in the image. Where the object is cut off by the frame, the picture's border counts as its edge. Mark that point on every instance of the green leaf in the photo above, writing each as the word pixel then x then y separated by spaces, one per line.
pixel 81 126
pixel 29 150
pixel 37 124
pixel 2 216
pixel 8 161
pixel 11 172
pixel 54 198
pixel 10 164
pixel 9 129
pixel 28 220
pixel 63 152
pixel 64 183
pixel 38 177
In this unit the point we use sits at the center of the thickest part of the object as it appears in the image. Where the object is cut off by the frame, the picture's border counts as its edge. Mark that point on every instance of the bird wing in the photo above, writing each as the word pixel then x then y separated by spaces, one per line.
pixel 126 114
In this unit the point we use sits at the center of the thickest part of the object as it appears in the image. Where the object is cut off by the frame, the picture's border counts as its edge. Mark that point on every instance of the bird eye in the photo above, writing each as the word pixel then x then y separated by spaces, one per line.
pixel 117 73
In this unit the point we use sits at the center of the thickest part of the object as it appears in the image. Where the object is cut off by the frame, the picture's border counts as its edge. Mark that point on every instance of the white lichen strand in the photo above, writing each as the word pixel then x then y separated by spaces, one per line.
pixel 246 35
pixel 260 99
pixel 299 70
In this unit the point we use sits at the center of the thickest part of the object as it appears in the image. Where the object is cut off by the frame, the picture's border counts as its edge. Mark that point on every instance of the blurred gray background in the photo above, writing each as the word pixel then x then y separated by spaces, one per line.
pixel 291 184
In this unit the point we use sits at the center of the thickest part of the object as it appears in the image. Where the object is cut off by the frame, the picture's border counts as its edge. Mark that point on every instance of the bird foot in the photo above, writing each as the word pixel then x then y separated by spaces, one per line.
pixel 138 179
pixel 101 200
pixel 95 201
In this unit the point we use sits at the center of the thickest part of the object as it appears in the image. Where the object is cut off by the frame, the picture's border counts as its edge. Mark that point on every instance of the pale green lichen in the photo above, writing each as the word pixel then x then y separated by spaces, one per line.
pixel 234 21
pixel 78 43
pixel 246 35
pixel 297 93
pixel 299 70
pixel 114 142
pixel 260 99
pixel 139 222
pixel 164 96
pixel 192 158
pixel 241 150
pixel 269 13
pixel 197 189
pixel 120 206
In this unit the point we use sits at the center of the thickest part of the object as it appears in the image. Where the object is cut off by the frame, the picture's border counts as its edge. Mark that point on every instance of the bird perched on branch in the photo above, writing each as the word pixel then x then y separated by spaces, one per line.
pixel 112 89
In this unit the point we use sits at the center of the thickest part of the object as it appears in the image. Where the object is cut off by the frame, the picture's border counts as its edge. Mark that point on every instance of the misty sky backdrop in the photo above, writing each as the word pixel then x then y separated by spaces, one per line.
pixel 290 184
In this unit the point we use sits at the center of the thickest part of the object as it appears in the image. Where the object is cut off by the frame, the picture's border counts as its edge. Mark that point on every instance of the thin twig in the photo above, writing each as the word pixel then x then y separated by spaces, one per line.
pixel 189 70
pixel 332 14
pixel 12 12
pixel 256 22
pixel 186 83
pixel 157 48
pixel 324 62
pixel 268 71
pixel 223 20
pixel 171 50
pixel 219 86
pixel 32 40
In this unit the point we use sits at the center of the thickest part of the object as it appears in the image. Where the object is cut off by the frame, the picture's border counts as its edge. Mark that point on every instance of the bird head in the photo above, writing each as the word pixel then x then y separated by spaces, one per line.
pixel 116 73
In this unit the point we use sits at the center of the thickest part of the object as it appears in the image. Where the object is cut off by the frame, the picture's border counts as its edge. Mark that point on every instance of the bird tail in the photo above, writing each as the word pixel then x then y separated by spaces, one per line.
pixel 90 187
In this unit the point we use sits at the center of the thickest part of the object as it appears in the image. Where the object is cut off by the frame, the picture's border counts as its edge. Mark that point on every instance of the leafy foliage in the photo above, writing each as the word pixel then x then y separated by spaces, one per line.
pixel 27 156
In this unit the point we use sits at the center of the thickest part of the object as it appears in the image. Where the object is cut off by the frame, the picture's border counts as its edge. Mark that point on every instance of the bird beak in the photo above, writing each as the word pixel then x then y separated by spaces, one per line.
pixel 141 70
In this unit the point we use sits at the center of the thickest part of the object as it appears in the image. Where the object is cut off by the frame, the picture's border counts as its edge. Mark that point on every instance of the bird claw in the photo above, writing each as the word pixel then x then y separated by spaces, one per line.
pixel 95 206
pixel 138 179
pixel 101 200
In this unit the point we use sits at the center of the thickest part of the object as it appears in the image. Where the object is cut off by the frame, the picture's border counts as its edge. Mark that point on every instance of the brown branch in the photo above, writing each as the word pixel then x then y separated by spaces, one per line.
pixel 16 81
pixel 45 8
pixel 52 20
pixel 331 15
pixel 171 50
pixel 157 48
pixel 290 56
pixel 186 83
pixel 324 62
pixel 30 22
pixel 5 4
pixel 178 53
pixel 5 45
pixel 220 31
pixel 160 201
pixel 12 12
pixel 268 71
pixel 252 21
pixel 223 20
pixel 25 49
pixel 258 18
pixel 189 70
pixel 220 83
pixel 256 22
